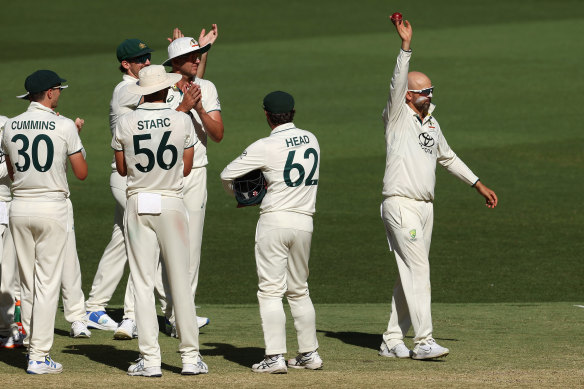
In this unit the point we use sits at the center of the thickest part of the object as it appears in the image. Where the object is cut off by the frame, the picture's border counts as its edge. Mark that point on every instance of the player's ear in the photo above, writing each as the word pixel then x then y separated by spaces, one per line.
pixel 408 97
pixel 125 64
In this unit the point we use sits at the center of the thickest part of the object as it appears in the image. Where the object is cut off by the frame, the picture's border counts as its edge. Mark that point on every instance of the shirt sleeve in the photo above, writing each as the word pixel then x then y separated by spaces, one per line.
pixel 454 165
pixel 210 98
pixel 252 158
pixel 116 139
pixel 191 137
pixel 74 144
pixel 398 86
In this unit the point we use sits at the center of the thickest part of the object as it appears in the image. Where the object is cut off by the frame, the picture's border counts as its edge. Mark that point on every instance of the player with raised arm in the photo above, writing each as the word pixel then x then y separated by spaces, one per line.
pixel 414 143
pixel 185 55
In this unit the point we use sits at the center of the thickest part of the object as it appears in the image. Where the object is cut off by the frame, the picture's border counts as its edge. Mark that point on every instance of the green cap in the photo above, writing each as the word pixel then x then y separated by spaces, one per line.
pixel 278 102
pixel 131 48
pixel 41 80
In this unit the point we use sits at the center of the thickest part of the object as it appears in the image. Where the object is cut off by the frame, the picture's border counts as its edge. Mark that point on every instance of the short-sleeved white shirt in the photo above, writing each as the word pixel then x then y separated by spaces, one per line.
pixel 153 139
pixel 290 160
pixel 38 143
pixel 210 102
pixel 122 102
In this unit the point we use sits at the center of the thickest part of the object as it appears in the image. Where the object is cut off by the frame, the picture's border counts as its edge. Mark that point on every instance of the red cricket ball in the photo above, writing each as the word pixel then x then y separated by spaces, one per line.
pixel 395 17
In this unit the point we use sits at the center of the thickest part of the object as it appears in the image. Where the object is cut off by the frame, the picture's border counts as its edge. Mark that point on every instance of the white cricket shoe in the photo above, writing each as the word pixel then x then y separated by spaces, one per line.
pixel 310 360
pixel 202 321
pixel 79 330
pixel 398 351
pixel 101 321
pixel 48 366
pixel 126 330
pixel 199 367
pixel 274 364
pixel 170 328
pixel 13 341
pixel 138 369
pixel 429 349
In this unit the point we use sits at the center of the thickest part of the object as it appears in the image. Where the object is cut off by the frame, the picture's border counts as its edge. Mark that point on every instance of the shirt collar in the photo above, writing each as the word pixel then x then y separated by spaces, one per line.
pixel 36 106
pixel 153 106
pixel 127 77
pixel 430 110
pixel 283 127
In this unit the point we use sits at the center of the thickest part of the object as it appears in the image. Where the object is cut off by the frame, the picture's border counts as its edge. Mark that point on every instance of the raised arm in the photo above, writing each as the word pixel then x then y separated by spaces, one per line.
pixel 399 80
pixel 211 37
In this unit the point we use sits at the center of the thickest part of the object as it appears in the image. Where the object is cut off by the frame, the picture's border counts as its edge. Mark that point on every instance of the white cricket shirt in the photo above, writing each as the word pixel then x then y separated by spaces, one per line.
pixel 5 181
pixel 122 102
pixel 210 102
pixel 153 139
pixel 38 143
pixel 290 160
pixel 414 146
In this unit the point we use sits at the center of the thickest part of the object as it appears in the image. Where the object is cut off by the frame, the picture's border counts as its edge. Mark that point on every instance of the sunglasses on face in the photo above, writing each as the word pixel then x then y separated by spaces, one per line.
pixel 141 59
pixel 423 92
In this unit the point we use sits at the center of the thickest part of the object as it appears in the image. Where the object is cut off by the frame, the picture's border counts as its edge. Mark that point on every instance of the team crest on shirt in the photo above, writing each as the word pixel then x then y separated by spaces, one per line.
pixel 413 235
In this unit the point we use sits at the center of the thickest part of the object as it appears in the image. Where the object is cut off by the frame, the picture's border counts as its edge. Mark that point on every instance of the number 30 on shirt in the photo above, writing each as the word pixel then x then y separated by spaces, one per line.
pixel 291 165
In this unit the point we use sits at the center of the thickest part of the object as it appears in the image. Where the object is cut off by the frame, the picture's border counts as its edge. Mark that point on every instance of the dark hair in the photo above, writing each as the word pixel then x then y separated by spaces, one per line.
pixel 123 69
pixel 37 96
pixel 281 118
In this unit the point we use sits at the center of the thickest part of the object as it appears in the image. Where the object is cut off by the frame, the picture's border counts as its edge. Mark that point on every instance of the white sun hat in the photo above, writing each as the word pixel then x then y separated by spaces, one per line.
pixel 183 46
pixel 152 79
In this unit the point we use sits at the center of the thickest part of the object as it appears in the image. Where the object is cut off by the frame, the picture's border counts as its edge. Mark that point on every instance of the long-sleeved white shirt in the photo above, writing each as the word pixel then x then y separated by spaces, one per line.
pixel 414 145
pixel 289 159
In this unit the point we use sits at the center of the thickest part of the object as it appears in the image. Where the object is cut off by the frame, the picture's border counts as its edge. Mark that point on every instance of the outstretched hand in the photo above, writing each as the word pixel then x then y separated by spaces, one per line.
pixel 176 33
pixel 404 29
pixel 210 37
pixel 489 195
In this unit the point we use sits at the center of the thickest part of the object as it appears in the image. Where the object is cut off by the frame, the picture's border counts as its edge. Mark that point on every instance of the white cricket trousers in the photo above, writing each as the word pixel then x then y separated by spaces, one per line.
pixel 71 292
pixel 408 225
pixel 9 281
pixel 195 198
pixel 113 261
pixel 169 231
pixel 282 256
pixel 39 230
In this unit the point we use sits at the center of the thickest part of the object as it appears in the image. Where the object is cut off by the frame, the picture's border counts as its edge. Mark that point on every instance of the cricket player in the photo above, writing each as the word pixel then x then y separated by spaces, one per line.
pixel 72 294
pixel 133 55
pixel 10 337
pixel 38 144
pixel 414 144
pixel 184 55
pixel 289 158
pixel 154 147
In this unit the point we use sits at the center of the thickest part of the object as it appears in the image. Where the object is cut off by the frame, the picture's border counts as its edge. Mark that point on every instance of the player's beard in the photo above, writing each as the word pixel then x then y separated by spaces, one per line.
pixel 422 104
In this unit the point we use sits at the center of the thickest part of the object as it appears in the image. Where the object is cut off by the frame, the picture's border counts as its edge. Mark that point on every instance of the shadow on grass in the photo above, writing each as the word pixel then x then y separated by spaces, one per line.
pixel 360 339
pixel 111 356
pixel 14 357
pixel 363 339
pixel 244 356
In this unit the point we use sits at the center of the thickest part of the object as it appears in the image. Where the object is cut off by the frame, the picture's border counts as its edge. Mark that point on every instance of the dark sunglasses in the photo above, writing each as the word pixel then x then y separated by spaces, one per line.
pixel 423 92
pixel 141 59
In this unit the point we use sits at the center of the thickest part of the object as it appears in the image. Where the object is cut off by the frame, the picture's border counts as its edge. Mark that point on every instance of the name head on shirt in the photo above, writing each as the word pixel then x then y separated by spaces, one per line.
pixel 297 141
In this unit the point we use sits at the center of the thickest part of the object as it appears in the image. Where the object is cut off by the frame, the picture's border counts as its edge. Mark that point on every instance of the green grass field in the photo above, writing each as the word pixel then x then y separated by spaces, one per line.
pixel 508 81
